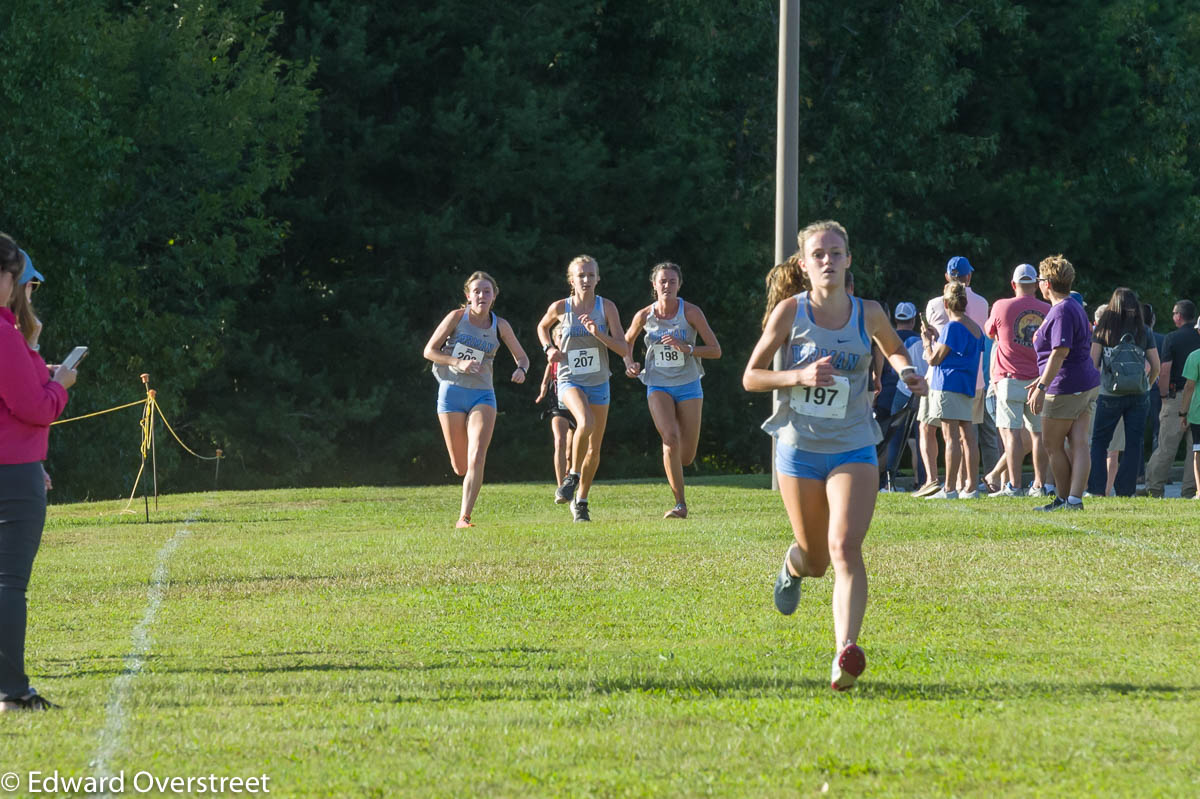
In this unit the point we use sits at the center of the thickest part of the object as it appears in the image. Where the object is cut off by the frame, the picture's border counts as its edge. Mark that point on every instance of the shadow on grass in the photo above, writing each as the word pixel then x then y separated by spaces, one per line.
pixel 777 688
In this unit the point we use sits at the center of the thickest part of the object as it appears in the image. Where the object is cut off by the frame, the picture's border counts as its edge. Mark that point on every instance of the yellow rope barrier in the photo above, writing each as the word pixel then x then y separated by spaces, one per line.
pixel 99 413
pixel 154 401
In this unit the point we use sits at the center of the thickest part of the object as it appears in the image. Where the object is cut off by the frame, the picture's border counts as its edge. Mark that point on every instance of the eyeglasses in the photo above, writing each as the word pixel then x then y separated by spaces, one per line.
pixel 34 285
pixel 1043 279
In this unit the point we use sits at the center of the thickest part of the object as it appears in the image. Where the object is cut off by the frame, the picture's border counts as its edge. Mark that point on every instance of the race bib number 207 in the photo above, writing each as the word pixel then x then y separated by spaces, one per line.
pixel 584 361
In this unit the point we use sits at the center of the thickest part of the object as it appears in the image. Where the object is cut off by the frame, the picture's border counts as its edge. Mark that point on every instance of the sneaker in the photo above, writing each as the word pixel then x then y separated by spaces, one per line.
pixel 1089 495
pixel 677 512
pixel 848 665
pixel 463 522
pixel 927 489
pixel 787 588
pixel 566 491
pixel 943 494
pixel 1009 490
pixel 1055 505
pixel 30 701
pixel 976 494
pixel 579 511
pixel 1072 506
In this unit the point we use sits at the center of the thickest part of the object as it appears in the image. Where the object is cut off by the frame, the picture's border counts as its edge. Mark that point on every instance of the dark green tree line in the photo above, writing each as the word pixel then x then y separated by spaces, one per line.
pixel 269 205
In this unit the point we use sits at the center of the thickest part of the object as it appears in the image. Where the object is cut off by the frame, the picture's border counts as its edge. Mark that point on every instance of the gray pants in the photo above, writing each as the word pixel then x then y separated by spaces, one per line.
pixel 1158 470
pixel 22 516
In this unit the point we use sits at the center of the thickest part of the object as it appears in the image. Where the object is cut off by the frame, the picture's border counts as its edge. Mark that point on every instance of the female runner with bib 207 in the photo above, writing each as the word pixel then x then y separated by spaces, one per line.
pixel 589 327
pixel 672 372
pixel 825 433
pixel 463 349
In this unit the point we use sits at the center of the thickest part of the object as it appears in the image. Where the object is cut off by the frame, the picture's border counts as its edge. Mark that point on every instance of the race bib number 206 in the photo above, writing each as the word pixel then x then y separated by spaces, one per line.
pixel 827 402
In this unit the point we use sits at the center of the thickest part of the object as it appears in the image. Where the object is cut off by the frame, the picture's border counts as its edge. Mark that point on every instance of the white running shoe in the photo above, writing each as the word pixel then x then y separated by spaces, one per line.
pixel 976 494
pixel 848 666
pixel 943 494
pixel 1009 490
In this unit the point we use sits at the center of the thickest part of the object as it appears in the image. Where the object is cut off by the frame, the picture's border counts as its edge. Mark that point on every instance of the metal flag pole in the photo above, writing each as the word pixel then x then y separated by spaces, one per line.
pixel 787 159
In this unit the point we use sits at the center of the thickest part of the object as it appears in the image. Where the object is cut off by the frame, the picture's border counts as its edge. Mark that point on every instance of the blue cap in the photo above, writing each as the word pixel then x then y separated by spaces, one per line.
pixel 1075 295
pixel 958 266
pixel 29 272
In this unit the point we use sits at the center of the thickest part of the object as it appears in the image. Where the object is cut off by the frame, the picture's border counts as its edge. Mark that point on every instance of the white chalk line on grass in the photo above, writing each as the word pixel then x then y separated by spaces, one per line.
pixel 114 726
pixel 1132 543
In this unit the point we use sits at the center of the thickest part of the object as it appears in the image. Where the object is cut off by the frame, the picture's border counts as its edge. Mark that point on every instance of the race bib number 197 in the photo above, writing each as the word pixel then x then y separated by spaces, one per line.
pixel 584 361
pixel 827 402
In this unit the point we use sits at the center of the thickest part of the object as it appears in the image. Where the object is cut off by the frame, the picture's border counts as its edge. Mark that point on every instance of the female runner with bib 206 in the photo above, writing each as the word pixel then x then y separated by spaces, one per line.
pixel 825 433
pixel 672 372
pixel 463 349
pixel 588 328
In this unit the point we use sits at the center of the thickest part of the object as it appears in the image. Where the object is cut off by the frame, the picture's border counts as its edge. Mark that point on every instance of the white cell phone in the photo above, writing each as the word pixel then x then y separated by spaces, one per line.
pixel 77 355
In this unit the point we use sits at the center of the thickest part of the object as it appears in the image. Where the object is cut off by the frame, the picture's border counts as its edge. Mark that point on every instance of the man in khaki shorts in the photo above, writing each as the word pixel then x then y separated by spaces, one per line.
pixel 1011 325
pixel 1175 351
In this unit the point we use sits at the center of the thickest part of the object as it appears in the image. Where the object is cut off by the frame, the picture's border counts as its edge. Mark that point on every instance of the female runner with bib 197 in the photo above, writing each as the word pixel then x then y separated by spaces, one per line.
pixel 588 328
pixel 672 372
pixel 463 349
pixel 824 431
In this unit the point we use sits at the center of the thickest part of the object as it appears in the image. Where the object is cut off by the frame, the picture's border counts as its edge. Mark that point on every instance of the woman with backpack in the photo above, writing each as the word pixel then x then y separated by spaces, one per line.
pixel 1125 352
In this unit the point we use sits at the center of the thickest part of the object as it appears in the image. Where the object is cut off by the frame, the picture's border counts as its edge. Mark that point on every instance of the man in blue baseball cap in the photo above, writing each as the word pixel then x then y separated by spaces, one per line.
pixel 960 269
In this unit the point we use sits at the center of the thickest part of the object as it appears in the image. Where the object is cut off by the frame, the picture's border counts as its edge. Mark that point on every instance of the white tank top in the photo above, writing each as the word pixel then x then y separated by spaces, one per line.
pixel 665 365
pixel 587 356
pixel 475 344
pixel 837 418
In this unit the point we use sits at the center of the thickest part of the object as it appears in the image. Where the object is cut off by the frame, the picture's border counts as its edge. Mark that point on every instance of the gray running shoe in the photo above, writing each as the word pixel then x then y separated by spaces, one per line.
pixel 1055 505
pixel 787 589
pixel 579 511
pixel 565 492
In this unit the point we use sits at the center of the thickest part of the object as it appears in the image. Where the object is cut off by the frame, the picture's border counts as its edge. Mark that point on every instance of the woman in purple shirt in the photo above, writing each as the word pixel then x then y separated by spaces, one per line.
pixel 1064 394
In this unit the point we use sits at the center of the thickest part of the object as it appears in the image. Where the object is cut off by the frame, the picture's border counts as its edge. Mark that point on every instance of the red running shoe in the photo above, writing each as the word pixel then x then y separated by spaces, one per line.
pixel 847 666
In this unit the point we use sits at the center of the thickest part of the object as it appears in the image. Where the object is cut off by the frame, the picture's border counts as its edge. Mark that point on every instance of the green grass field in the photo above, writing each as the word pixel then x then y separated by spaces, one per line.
pixel 352 643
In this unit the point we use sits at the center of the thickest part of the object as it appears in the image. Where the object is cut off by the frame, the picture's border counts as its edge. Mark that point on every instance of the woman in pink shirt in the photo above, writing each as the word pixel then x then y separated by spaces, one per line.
pixel 30 399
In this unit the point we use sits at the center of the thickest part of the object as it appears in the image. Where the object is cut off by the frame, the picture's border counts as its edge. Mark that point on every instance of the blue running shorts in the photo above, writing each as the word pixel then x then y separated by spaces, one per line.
pixel 817 465
pixel 596 395
pixel 687 391
pixel 456 399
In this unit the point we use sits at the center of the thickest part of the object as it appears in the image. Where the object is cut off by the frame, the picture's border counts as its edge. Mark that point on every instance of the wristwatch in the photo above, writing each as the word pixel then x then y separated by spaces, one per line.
pixel 547 347
pixel 1041 386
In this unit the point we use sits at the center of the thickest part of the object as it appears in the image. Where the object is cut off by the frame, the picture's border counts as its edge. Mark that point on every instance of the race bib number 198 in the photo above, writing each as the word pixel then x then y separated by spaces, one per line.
pixel 584 361
pixel 827 402
pixel 666 357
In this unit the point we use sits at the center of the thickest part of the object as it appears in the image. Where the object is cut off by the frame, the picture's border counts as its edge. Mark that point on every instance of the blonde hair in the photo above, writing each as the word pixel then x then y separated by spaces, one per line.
pixel 783 281
pixel 817 227
pixel 22 308
pixel 954 296
pixel 481 275
pixel 1058 271
pixel 580 260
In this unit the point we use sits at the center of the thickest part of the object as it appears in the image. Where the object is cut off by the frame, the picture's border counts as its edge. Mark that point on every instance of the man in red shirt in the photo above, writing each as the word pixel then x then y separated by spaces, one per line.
pixel 1014 366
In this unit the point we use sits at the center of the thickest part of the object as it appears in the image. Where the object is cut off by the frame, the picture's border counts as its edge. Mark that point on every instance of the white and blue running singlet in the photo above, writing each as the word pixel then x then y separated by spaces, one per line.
pixel 587 357
pixel 665 365
pixel 473 344
pixel 827 419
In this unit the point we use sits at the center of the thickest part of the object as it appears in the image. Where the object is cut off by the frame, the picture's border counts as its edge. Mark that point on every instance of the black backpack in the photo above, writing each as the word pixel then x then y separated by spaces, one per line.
pixel 1124 368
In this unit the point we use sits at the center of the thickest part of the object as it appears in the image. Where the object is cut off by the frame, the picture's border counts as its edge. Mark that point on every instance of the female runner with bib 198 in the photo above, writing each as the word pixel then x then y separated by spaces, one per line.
pixel 462 350
pixel 824 431
pixel 589 327
pixel 672 372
